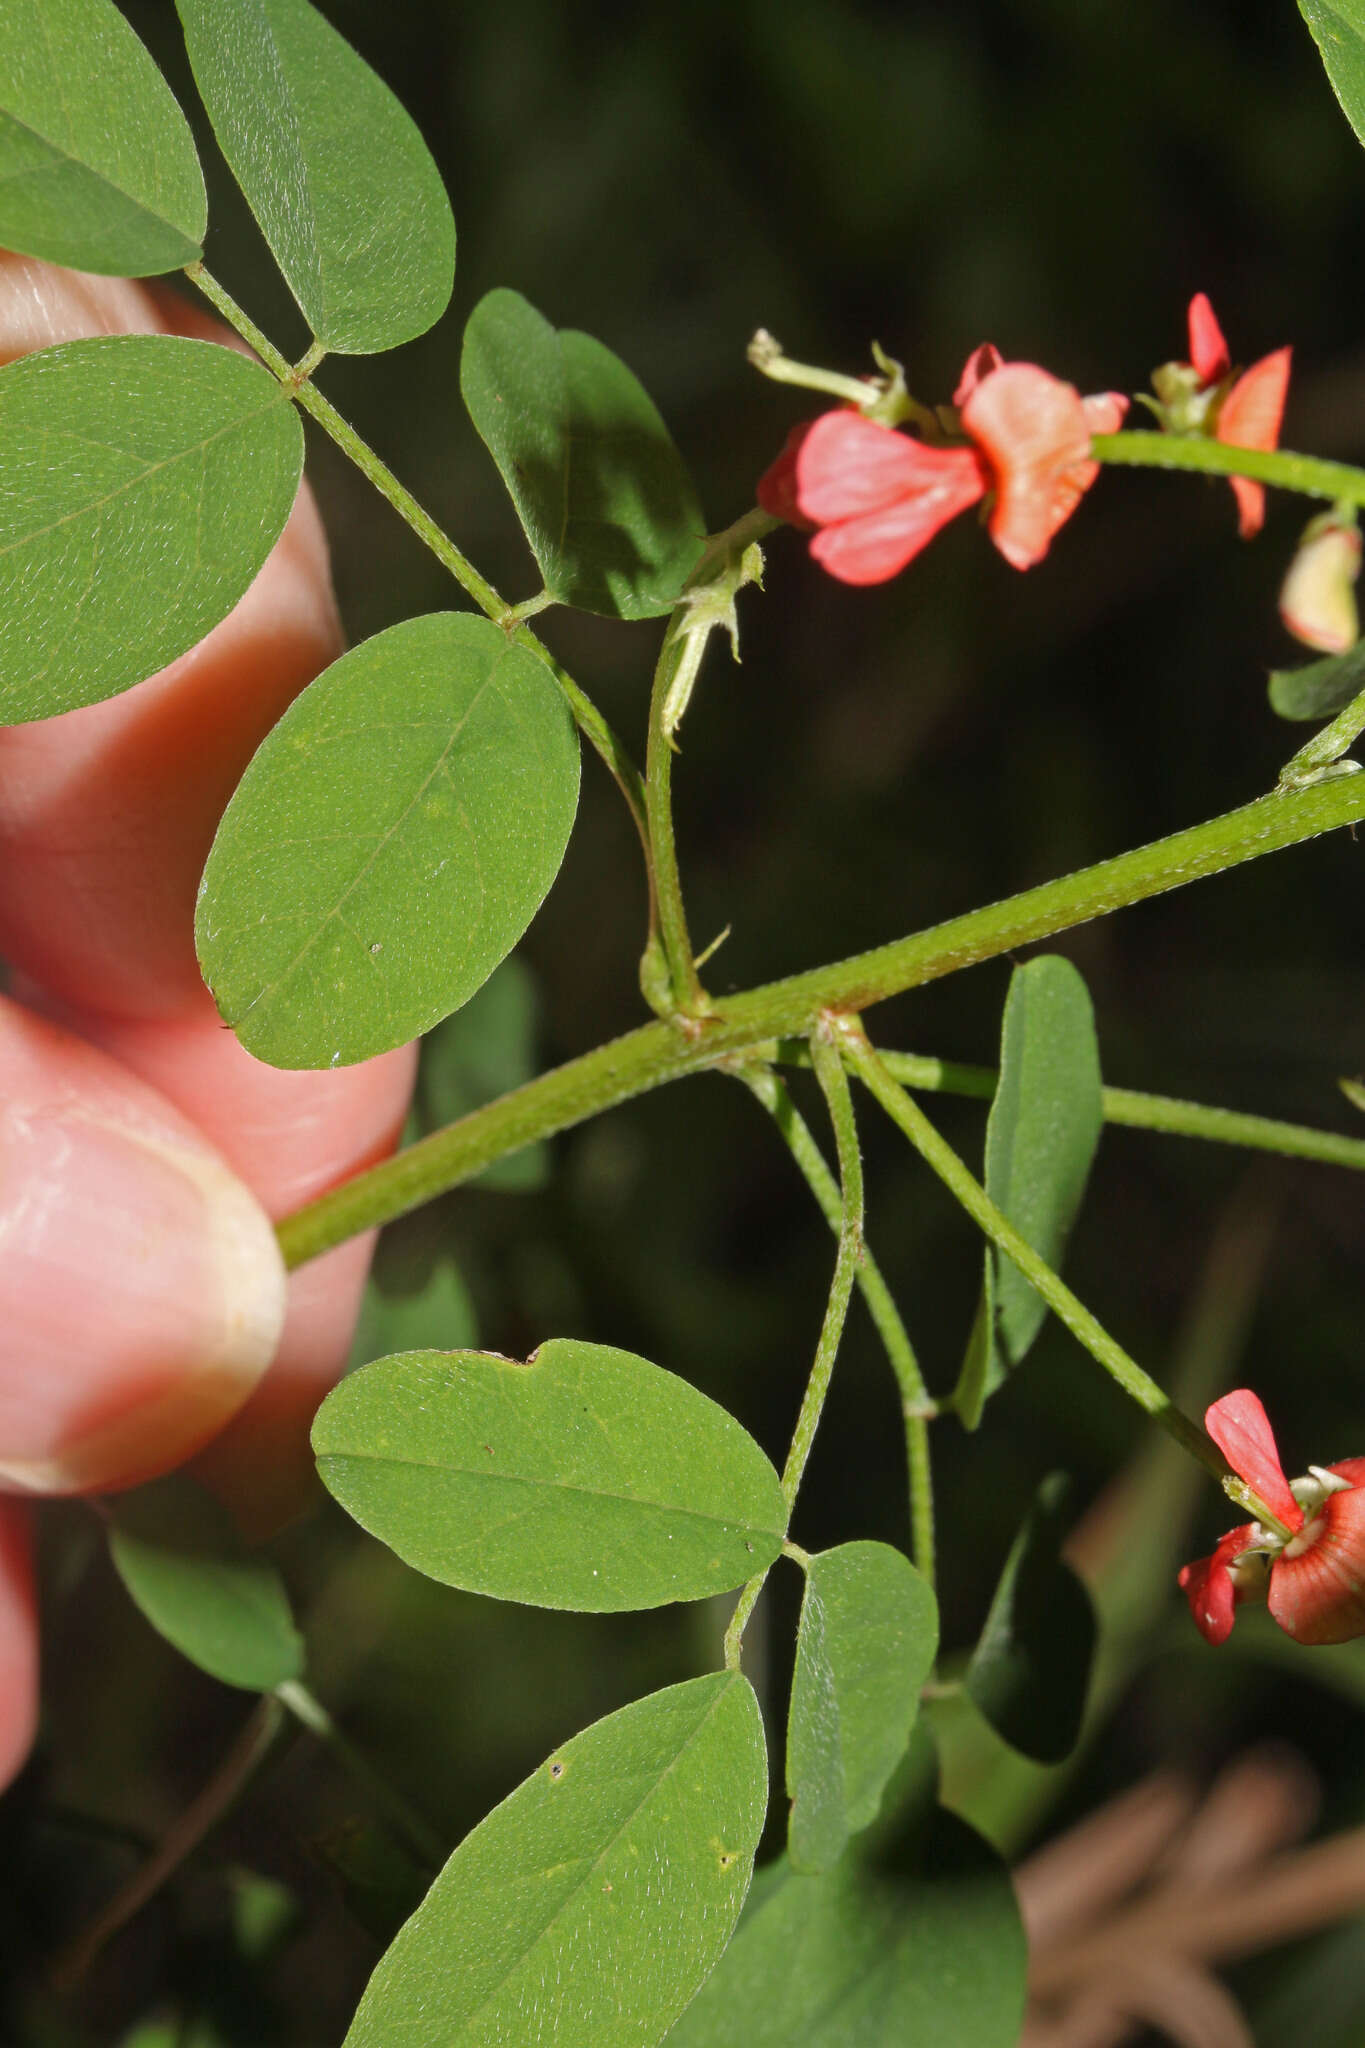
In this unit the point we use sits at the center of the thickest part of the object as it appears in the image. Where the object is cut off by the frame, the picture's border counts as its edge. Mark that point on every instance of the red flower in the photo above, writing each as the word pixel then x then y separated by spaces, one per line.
pixel 1197 398
pixel 1314 1580
pixel 875 496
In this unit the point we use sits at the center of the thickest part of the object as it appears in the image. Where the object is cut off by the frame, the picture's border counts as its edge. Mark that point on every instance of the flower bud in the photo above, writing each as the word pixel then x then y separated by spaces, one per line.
pixel 1317 597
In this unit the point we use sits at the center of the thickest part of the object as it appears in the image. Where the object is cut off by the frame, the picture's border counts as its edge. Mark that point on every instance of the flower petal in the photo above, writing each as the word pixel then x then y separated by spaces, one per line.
pixel 1208 350
pixel 1250 418
pixel 1317 597
pixel 1207 1585
pixel 847 465
pixel 1104 411
pixel 777 486
pixel 878 545
pixel 1319 1596
pixel 1241 1429
pixel 1032 429
pixel 983 362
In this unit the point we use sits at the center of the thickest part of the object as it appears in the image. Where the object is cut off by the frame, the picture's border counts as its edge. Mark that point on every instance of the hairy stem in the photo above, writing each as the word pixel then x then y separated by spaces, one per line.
pixel 768 1089
pixel 748 1023
pixel 1124 1370
pixel 1281 467
pixel 689 996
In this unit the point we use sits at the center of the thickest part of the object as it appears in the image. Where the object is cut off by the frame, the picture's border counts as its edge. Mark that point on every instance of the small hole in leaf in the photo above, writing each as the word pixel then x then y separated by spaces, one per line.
pixel 557 1767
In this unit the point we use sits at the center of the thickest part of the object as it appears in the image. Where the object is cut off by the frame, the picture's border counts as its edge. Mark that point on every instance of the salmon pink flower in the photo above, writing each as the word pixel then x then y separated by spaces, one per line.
pixel 1317 597
pixel 1311 1571
pixel 874 496
pixel 1203 397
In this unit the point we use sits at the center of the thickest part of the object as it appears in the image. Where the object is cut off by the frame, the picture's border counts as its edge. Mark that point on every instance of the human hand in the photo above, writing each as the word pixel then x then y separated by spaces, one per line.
pixel 144 1309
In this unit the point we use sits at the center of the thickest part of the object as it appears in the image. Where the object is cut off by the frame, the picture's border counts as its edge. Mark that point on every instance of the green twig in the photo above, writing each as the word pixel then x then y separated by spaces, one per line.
pixel 1126 1106
pixel 421 1839
pixel 1279 467
pixel 829 1071
pixel 1125 1371
pixel 916 1405
pixel 749 1023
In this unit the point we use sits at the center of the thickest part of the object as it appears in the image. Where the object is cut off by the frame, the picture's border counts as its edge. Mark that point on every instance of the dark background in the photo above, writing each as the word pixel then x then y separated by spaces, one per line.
pixel 1058 176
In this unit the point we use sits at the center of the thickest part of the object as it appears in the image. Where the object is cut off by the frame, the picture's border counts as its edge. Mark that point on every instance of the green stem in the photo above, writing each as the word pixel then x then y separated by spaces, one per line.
pixel 1125 1371
pixel 748 1023
pixel 422 1840
pixel 829 1072
pixel 916 1405
pixel 1127 1106
pixel 1281 467
pixel 587 717
pixel 680 650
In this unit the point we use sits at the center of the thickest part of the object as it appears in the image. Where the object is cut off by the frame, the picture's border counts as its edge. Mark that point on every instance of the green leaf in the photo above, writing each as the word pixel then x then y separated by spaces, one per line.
pixel 182 1561
pixel 1029 1672
pixel 1321 688
pixel 389 844
pixel 866 1644
pixel 97 164
pixel 332 167
pixel 603 495
pixel 587 1478
pixel 1339 32
pixel 1044 1126
pixel 866 1959
pixel 483 1051
pixel 589 1906
pixel 145 480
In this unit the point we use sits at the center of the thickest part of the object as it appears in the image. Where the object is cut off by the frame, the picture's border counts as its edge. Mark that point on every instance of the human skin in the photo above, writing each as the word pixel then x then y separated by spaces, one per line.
pixel 145 1319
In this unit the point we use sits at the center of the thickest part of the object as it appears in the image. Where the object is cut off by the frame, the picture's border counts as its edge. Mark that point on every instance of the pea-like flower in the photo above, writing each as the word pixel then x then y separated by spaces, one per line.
pixel 873 495
pixel 1202 396
pixel 1312 1578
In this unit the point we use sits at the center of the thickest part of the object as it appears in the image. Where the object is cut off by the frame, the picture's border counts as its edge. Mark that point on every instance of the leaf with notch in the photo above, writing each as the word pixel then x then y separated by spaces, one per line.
pixel 587 1478
pixel 586 1910
pixel 865 1645
pixel 1041 1137
pixel 389 844
pixel 97 164
pixel 1030 1671
pixel 332 166
pixel 183 1563
pixel 145 480
pixel 602 494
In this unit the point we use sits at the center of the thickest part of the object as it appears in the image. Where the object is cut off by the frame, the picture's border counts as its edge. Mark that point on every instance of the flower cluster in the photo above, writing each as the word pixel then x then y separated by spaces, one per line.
pixel 875 496
pixel 1311 1572
pixel 1015 437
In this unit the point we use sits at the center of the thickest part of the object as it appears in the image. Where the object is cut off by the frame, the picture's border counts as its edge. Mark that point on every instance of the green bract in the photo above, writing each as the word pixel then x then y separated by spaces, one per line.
pixel 588 1478
pixel 585 1911
pixel 603 495
pixel 145 480
pixel 333 168
pixel 389 844
pixel 97 164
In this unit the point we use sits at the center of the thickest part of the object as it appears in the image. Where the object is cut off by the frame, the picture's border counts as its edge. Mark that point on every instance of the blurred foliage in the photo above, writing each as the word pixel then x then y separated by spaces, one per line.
pixel 1056 176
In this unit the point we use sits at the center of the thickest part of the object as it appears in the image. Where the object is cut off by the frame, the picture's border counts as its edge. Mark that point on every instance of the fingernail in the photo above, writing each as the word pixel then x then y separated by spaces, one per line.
pixel 141 1296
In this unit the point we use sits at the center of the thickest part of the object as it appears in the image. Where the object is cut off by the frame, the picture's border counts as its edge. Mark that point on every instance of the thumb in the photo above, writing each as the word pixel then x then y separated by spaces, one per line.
pixel 141 1290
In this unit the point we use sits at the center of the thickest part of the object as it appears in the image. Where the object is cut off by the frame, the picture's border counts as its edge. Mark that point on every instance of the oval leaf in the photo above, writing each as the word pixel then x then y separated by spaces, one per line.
pixel 589 1906
pixel 145 480
pixel 856 1959
pixel 97 164
pixel 1338 30
pixel 182 1561
pixel 866 1644
pixel 587 1478
pixel 1041 1136
pixel 332 167
pixel 1321 688
pixel 1031 1668
pixel 602 494
pixel 389 844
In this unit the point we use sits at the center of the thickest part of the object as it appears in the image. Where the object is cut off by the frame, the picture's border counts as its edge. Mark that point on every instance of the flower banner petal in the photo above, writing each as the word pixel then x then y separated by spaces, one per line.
pixel 1241 1429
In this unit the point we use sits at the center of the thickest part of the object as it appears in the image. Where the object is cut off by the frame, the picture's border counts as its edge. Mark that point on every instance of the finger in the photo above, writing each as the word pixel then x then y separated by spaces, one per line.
pixel 107 813
pixel 290 1136
pixel 18 1642
pixel 142 1291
